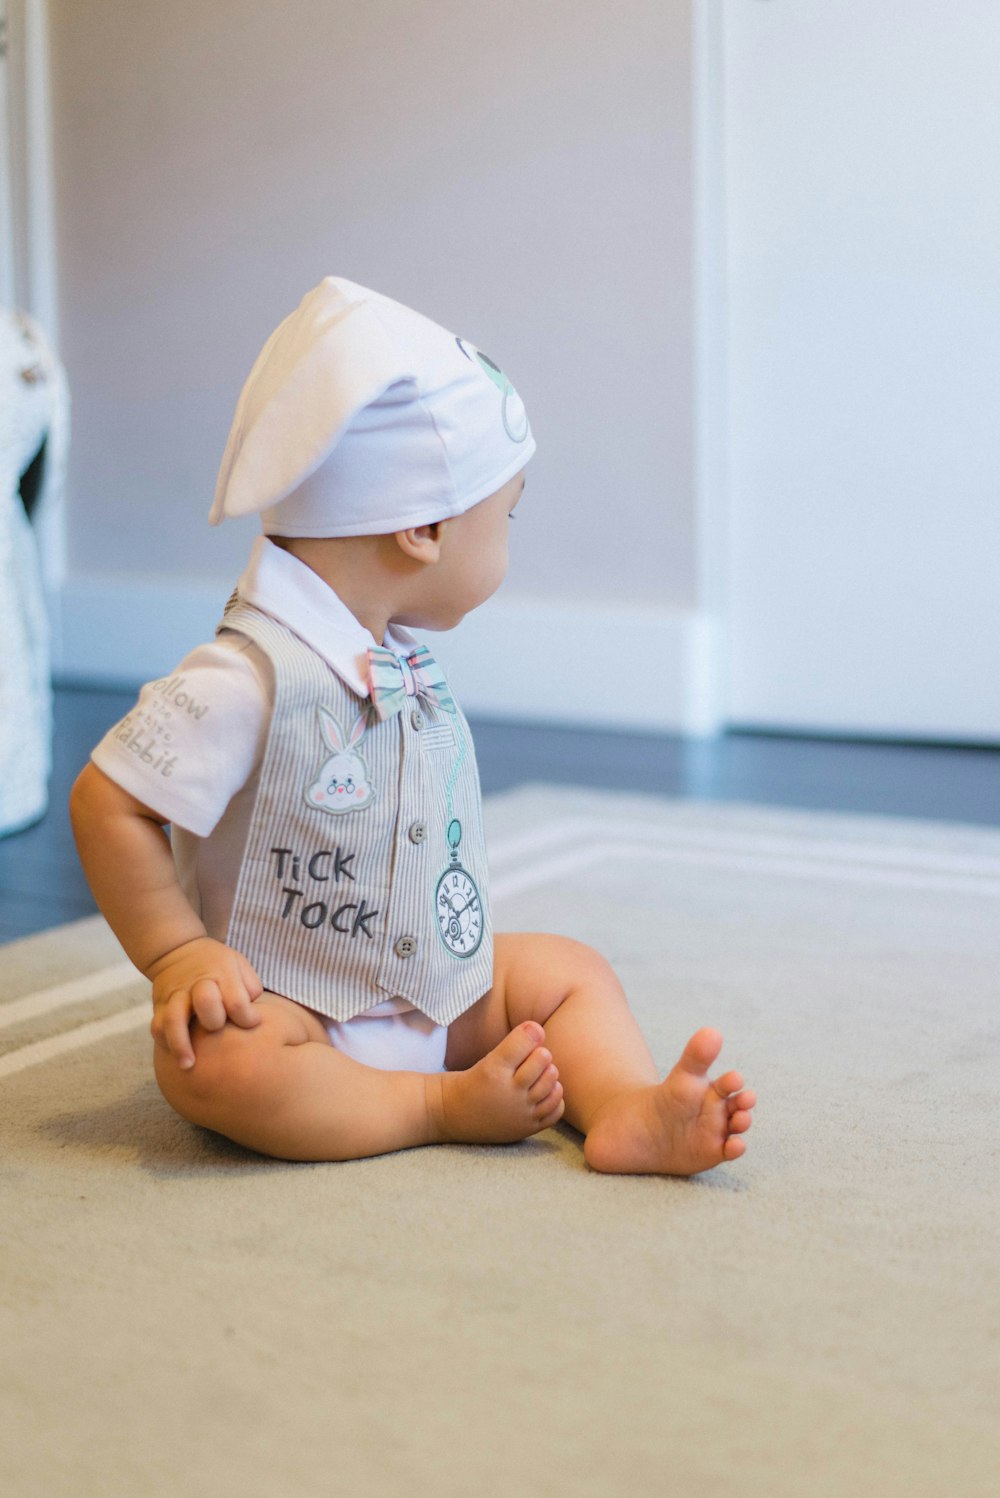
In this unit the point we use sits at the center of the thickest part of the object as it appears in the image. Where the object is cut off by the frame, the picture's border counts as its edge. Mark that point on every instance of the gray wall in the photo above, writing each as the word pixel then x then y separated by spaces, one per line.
pixel 520 172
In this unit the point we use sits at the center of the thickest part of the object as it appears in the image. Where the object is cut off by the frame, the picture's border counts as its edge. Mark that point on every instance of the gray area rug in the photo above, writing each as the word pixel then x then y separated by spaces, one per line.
pixel 180 1317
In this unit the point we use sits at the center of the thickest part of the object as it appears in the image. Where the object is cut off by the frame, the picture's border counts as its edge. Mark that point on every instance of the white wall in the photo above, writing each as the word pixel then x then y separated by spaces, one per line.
pixel 862 217
pixel 522 173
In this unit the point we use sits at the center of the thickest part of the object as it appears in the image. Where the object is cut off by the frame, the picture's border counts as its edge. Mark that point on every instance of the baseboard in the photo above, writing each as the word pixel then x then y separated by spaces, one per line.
pixel 517 658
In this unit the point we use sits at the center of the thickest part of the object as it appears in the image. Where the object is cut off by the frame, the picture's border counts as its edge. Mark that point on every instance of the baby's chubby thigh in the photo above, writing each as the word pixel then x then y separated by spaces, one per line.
pixel 237 1068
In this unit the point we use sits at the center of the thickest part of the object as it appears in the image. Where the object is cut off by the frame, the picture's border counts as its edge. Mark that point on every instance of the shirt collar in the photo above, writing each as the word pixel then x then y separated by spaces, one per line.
pixel 280 585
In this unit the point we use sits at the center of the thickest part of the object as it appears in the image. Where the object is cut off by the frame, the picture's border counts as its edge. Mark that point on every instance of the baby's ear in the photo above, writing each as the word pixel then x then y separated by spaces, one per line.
pixel 421 542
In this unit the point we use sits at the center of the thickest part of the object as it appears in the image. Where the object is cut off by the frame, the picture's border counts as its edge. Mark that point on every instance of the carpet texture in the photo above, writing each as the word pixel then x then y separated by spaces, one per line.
pixel 180 1317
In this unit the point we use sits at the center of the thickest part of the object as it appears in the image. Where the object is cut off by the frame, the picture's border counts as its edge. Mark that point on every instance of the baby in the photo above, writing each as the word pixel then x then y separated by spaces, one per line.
pixel 317 932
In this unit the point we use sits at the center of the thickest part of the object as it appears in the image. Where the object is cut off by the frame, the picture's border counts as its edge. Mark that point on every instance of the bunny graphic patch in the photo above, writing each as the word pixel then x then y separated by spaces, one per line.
pixel 341 784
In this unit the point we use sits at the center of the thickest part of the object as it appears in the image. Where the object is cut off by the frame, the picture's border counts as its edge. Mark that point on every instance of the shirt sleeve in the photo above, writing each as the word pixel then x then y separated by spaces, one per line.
pixel 193 738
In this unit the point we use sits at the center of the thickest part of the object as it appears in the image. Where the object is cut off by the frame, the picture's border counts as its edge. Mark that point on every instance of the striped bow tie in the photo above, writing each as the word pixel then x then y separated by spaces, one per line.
pixel 393 678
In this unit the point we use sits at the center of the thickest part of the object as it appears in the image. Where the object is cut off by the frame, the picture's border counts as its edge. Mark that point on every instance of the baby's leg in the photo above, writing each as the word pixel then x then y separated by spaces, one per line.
pixel 633 1121
pixel 282 1089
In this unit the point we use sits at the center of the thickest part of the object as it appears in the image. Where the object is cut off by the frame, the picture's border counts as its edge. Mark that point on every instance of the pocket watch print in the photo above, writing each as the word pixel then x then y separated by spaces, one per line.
pixel 457 902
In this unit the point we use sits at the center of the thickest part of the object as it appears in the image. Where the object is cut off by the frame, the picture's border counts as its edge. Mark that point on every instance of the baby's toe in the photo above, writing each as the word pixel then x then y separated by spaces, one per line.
pixel 552 1111
pixel 700 1051
pixel 730 1082
pixel 740 1122
pixel 540 1090
pixel 533 1068
pixel 733 1148
pixel 743 1101
pixel 519 1046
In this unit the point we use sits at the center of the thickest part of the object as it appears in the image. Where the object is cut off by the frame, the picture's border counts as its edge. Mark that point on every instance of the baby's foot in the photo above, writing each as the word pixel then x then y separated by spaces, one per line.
pixel 680 1126
pixel 512 1092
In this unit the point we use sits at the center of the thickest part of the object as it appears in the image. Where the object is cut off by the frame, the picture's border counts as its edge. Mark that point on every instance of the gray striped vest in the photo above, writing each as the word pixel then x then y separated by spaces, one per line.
pixel 364 872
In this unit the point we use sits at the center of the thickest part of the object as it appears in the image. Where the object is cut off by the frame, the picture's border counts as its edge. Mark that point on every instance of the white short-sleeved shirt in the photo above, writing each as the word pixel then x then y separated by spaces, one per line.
pixel 194 737
pixel 192 745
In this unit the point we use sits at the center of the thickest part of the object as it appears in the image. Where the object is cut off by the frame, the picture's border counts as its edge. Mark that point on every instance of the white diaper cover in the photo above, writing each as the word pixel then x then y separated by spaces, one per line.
pixel 392 1041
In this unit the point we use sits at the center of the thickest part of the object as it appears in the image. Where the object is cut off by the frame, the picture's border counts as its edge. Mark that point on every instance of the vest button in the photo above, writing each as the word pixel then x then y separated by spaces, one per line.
pixel 417 719
pixel 417 832
pixel 406 946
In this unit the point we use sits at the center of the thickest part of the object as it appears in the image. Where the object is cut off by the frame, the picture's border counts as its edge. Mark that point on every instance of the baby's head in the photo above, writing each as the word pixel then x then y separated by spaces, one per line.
pixel 362 417
pixel 428 575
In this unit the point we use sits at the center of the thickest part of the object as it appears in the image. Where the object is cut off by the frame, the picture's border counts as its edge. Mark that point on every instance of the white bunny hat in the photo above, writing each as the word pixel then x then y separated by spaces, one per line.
pixel 362 417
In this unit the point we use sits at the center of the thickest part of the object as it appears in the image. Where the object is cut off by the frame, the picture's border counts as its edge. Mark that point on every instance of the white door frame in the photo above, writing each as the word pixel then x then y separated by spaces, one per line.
pixel 711 426
pixel 29 163
pixel 27 235
pixel 7 293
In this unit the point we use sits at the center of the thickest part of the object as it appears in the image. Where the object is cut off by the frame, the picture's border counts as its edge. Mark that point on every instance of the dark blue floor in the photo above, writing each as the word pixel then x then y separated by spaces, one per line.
pixel 41 884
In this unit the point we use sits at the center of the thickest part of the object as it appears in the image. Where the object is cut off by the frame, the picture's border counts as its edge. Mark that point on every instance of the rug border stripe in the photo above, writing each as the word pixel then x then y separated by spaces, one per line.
pixel 73 1040
pixel 865 854
pixel 91 986
pixel 706 847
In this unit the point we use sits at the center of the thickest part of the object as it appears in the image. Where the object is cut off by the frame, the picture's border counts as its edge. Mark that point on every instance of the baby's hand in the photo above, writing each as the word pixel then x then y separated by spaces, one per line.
pixel 208 980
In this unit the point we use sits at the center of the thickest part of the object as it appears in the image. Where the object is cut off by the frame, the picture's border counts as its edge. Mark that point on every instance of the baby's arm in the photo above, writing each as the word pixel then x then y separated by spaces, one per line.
pixel 127 859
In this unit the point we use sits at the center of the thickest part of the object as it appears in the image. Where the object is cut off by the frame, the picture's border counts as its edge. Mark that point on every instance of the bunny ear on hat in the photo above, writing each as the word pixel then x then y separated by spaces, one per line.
pixel 319 368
